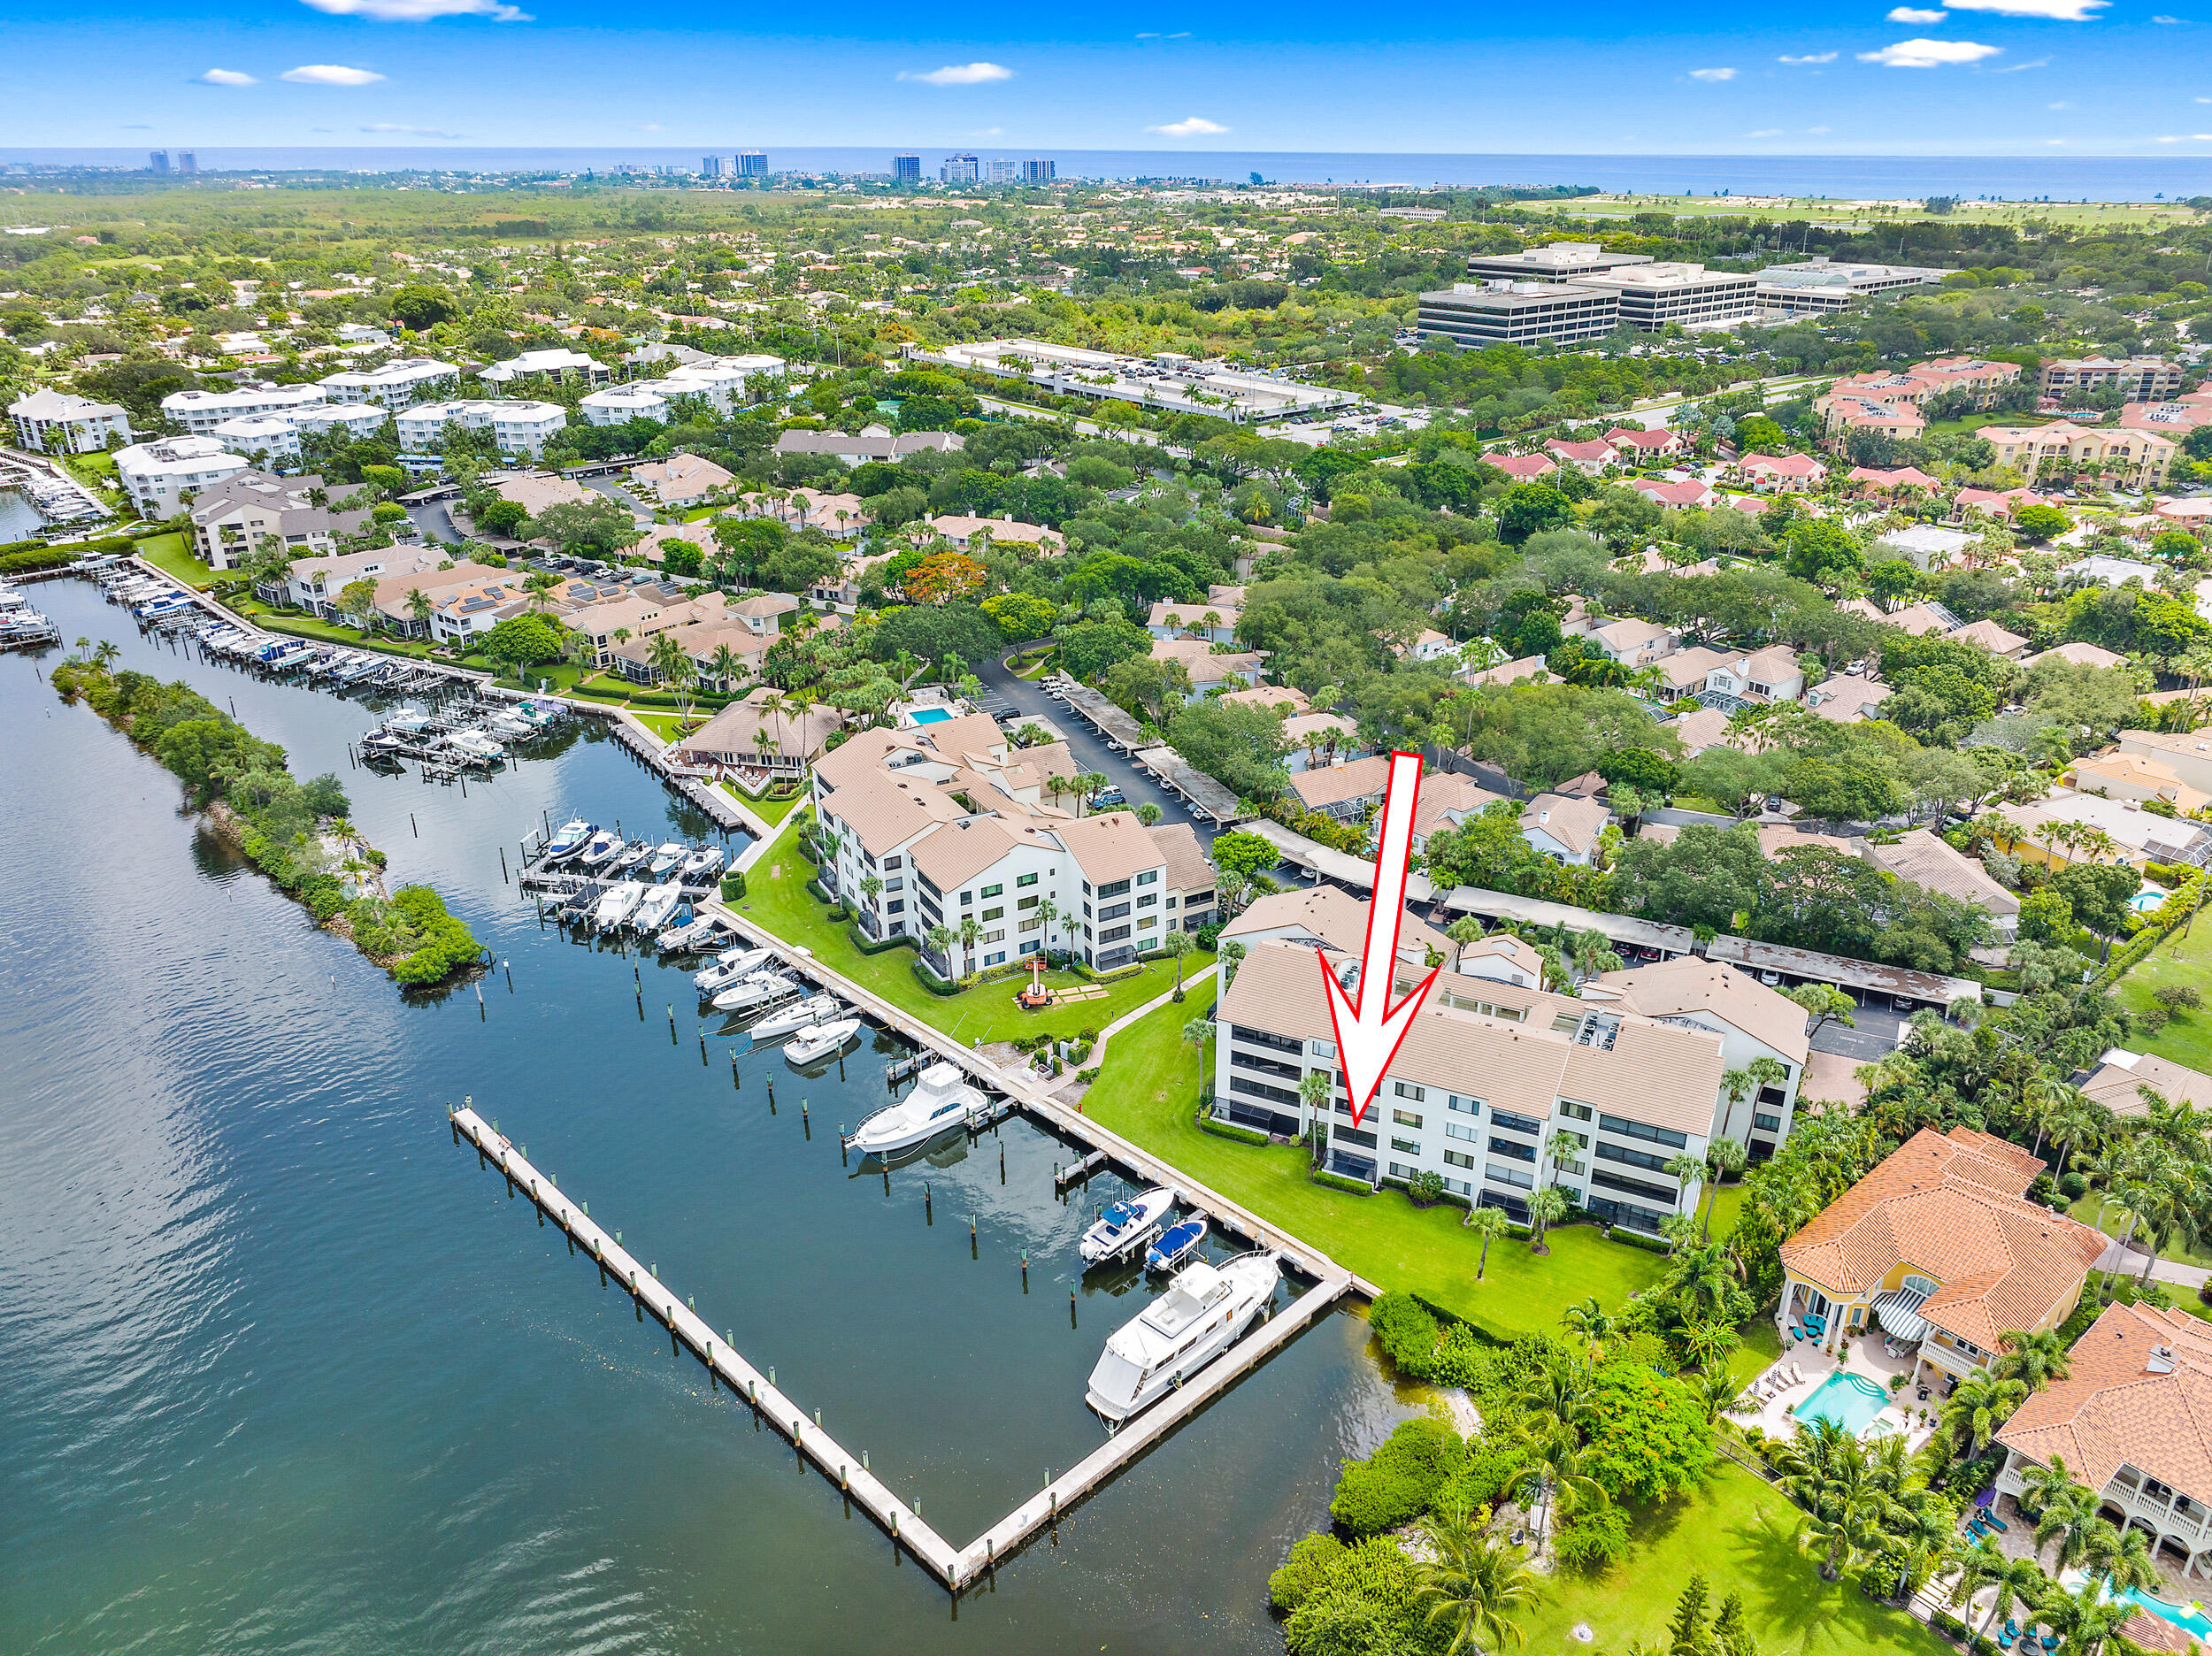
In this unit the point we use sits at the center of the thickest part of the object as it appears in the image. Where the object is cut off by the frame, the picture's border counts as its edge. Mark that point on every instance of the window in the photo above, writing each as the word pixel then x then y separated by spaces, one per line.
pixel 1580 1112
pixel 995 914
pixel 1411 1146
pixel 1261 1090
pixel 1632 1158
pixel 998 936
pixel 1115 890
pixel 966 898
pixel 990 892
pixel 1767 1123
pixel 998 959
pixel 1518 1152
pixel 1113 934
pixel 1086 891
pixel 920 879
pixel 1146 921
pixel 1324 1049
pixel 1261 1037
pixel 1455 1130
pixel 1464 1106
pixel 1459 1161
pixel 1342 1134
pixel 1147 900
pixel 1399 1169
pixel 1150 877
pixel 894 885
pixel 1033 923
pixel 1633 1187
pixel 1113 911
pixel 1511 1123
pixel 1645 1131
pixel 1265 1066
pixel 1027 879
pixel 1405 1118
pixel 1171 899
pixel 1027 903
pixel 896 907
pixel 1406 1089
pixel 1512 1177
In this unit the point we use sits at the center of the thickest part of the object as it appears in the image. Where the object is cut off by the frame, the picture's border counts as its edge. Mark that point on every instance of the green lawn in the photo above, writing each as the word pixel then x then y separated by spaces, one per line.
pixel 1739 1533
pixel 2178 961
pixel 770 811
pixel 2176 1249
pixel 323 631
pixel 1967 423
pixel 664 725
pixel 1148 1094
pixel 169 553
pixel 777 898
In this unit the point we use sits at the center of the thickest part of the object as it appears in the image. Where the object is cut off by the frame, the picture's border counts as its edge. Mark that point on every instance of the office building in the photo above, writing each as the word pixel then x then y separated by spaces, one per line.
pixel 1556 262
pixel 1474 315
pixel 712 166
pixel 1820 285
pixel 960 169
pixel 906 169
pixel 1036 169
pixel 1654 297
pixel 1166 379
pixel 189 164
pixel 159 161
pixel 752 164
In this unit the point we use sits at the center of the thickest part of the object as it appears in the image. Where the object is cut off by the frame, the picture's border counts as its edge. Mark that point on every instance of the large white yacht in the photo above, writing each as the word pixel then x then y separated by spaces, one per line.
pixel 1127 1225
pixel 940 1100
pixel 1204 1309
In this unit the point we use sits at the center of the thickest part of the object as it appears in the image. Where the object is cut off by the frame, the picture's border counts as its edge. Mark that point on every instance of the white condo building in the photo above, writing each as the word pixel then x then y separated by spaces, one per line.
pixel 278 436
pixel 200 412
pixel 558 363
pixel 54 422
pixel 519 425
pixel 158 475
pixel 395 386
pixel 718 381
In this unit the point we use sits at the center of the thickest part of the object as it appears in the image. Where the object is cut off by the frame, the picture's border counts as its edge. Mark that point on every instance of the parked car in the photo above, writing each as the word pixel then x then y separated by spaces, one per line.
pixel 1107 796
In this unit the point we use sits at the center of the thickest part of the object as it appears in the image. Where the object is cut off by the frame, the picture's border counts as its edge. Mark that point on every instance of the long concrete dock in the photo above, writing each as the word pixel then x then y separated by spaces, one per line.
pixel 956 1568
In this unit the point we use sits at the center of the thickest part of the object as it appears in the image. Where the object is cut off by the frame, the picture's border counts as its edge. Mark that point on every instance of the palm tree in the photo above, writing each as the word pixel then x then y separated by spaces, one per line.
pixel 1701 1281
pixel 1981 1404
pixel 1986 1564
pixel 1546 1207
pixel 1558 1478
pixel 1089 783
pixel 1488 1222
pixel 2034 1359
pixel 1049 911
pixel 2071 1520
pixel 541 585
pixel 1472 1584
pixel 1178 943
pixel 2085 1623
pixel 939 939
pixel 103 654
pixel 1683 1169
pixel 971 933
pixel 1723 1158
pixel 1737 1084
pixel 1199 1032
pixel 420 608
pixel 2124 1558
pixel 1313 1093
pixel 1591 1321
pixel 869 886
pixel 728 667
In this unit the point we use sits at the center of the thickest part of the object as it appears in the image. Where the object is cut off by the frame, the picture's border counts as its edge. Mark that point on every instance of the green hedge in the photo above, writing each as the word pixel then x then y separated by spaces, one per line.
pixel 866 945
pixel 816 889
pixel 38 557
pixel 734 885
pixel 1337 1181
pixel 930 980
pixel 1112 975
pixel 1637 1238
pixel 1230 1130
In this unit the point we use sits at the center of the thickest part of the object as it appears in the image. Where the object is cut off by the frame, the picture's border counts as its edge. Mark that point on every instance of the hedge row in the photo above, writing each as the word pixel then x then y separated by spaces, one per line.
pixel 1637 1238
pixel 867 945
pixel 2168 914
pixel 1230 1130
pixel 1337 1181
pixel 929 979
pixel 22 563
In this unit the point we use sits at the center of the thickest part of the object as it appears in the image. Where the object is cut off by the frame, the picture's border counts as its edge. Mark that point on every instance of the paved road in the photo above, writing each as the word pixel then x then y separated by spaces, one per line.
pixel 1003 690
pixel 435 518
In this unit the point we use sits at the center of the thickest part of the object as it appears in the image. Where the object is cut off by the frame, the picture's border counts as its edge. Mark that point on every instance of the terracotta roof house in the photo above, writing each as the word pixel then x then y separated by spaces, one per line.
pixel 1633 643
pixel 1990 637
pixel 1208 668
pixel 681 479
pixel 1565 829
pixel 1788 474
pixel 1447 801
pixel 2080 653
pixel 1590 458
pixel 2132 1420
pixel 1880 480
pixel 2121 1076
pixel 1523 467
pixel 2135 775
pixel 1847 700
pixel 1634 442
pixel 1287 700
pixel 1688 493
pixel 1507 672
pixel 1939 1245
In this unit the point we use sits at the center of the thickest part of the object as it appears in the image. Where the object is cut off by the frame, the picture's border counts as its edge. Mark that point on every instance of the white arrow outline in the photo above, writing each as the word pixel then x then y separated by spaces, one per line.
pixel 1367 1040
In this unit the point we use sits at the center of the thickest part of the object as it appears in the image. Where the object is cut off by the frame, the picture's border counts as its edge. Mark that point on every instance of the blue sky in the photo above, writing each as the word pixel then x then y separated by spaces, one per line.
pixel 1981 77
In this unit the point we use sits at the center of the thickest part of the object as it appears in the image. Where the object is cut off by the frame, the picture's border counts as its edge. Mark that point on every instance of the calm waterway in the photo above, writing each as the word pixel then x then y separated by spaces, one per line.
pixel 282 1369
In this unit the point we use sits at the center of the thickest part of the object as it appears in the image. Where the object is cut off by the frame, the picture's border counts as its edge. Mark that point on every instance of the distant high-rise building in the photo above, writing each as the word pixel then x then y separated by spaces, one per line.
pixel 961 169
pixel 188 162
pixel 712 166
pixel 906 169
pixel 1001 171
pixel 1038 171
pixel 159 161
pixel 752 164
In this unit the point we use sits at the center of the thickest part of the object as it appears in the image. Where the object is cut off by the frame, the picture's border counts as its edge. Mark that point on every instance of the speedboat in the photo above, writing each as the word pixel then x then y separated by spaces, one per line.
pixel 476 745
pixel 571 838
pixel 1204 1309
pixel 1177 1243
pixel 693 934
pixel 664 860
pixel 814 1009
pixel 601 850
pixel 655 908
pixel 408 721
pixel 756 989
pixel 941 1101
pixel 700 865
pixel 824 1040
pixel 1127 1225
pixel 733 965
pixel 631 856
pixel 617 904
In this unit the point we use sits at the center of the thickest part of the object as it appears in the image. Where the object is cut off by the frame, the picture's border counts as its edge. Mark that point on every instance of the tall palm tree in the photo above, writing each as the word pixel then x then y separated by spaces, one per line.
pixel 939 939
pixel 1981 1404
pixel 1985 1564
pixel 1473 1584
pixel 1723 1158
pixel 729 666
pixel 1737 1084
pixel 2085 1623
pixel 1178 943
pixel 2070 1519
pixel 2034 1359
pixel 1489 1223
pixel 419 608
pixel 1546 1207
pixel 2124 1557
pixel 1591 1321
pixel 971 933
pixel 1313 1093
pixel 1683 1169
pixel 1199 1032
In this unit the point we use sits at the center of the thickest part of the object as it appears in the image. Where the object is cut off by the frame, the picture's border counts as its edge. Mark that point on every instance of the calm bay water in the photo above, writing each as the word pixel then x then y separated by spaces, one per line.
pixel 281 1369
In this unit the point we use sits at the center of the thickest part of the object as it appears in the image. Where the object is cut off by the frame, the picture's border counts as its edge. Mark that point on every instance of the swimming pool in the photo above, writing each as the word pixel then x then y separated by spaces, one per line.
pixel 1850 1401
pixel 2191 1619
pixel 930 715
pixel 2148 898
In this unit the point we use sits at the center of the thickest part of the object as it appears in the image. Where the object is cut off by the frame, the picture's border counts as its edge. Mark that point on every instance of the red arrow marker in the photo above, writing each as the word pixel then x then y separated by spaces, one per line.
pixel 1368 1029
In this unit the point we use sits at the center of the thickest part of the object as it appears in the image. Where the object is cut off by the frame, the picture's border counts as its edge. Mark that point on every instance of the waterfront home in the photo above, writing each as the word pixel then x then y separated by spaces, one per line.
pixel 162 475
pixel 1488 1077
pixel 54 422
pixel 762 731
pixel 231 519
pixel 1939 1247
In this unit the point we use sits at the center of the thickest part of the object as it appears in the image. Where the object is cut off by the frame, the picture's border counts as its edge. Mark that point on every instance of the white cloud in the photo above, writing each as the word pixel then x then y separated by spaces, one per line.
pixel 988 131
pixel 226 77
pixel 421 10
pixel 1928 54
pixel 2032 62
pixel 1190 127
pixel 2059 105
pixel 330 74
pixel 961 74
pixel 1819 132
pixel 411 132
pixel 2056 10
pixel 2163 18
pixel 1712 75
pixel 2191 138
pixel 1765 131
pixel 1154 34
pixel 1917 14
pixel 1810 58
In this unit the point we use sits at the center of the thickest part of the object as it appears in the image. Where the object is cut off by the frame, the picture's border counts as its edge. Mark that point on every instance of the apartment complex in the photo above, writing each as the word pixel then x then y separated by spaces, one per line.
pixel 395 386
pixel 942 824
pixel 2140 379
pixel 560 363
pixel 519 425
pixel 2133 456
pixel 159 475
pixel 231 518
pixel 1491 1074
pixel 717 382
pixel 200 412
pixel 54 422
pixel 1500 312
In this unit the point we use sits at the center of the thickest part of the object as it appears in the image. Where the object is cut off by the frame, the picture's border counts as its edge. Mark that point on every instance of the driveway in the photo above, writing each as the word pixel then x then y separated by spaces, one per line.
pixel 435 518
pixel 1004 692
pixel 1876 1036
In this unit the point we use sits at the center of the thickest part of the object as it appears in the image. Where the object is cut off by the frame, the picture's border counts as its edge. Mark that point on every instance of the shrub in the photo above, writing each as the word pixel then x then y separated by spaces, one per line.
pixel 1495 1463
pixel 1593 1538
pixel 1311 1562
pixel 1406 1331
pixel 929 979
pixel 1337 1181
pixel 1425 1190
pixel 1086 1075
pixel 1396 1484
pixel 734 885
pixel 2073 1186
pixel 39 558
pixel 1637 1238
pixel 1222 1129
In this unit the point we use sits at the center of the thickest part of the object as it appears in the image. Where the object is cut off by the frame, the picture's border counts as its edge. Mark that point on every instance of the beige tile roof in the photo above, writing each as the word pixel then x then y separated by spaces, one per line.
pixel 1951 1206
pixel 1574 822
pixel 1203 663
pixel 1990 636
pixel 1690 984
pixel 1686 670
pixel 1336 917
pixel 2119 1080
pixel 885 809
pixel 1333 785
pixel 2080 653
pixel 1509 672
pixel 1188 869
pixel 1843 699
pixel 2127 770
pixel 2139 1394
pixel 1108 847
pixel 1275 696
pixel 1927 859
pixel 1446 797
pixel 956 852
pixel 733 730
pixel 1504 945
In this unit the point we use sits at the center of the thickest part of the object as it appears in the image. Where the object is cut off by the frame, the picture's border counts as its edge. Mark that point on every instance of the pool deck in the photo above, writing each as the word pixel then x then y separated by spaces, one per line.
pixel 1774 1413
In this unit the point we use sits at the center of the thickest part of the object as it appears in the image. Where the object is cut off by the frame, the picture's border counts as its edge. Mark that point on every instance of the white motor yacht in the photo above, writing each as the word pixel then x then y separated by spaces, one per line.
pixel 631 856
pixel 700 864
pixel 665 861
pixel 655 908
pixel 941 1099
pixel 476 745
pixel 605 846
pixel 1128 1224
pixel 571 838
pixel 824 1040
pixel 620 902
pixel 729 968
pixel 814 1009
pixel 756 989
pixel 1204 1309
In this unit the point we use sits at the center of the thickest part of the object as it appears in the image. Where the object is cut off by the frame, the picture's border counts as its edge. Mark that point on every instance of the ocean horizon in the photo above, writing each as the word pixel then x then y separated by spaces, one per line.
pixel 1844 177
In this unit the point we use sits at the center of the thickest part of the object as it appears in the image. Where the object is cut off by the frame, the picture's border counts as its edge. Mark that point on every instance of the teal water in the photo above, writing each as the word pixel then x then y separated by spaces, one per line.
pixel 1846 1398
pixel 281 1370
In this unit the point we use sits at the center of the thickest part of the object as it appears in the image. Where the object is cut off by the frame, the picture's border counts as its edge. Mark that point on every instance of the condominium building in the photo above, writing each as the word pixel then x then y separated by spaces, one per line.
pixel 752 164
pixel 519 425
pixel 1037 170
pixel 54 422
pixel 960 169
pixel 276 437
pixel 712 166
pixel 2140 379
pixel 557 363
pixel 395 386
pixel 1001 171
pixel 2133 456
pixel 1498 1089
pixel 231 518
pixel 906 169
pixel 1555 262
pixel 200 412
pixel 1821 285
pixel 718 381
pixel 158 475
pixel 1475 316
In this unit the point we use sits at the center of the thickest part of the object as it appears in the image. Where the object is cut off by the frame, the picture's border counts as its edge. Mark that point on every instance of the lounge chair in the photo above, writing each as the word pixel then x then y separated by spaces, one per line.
pixel 1994 1521
pixel 1797 1375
